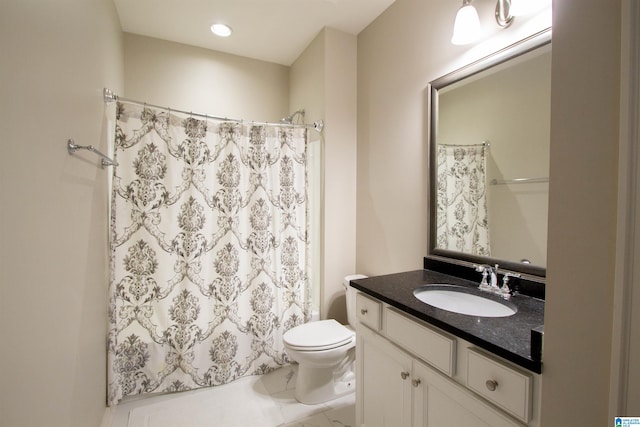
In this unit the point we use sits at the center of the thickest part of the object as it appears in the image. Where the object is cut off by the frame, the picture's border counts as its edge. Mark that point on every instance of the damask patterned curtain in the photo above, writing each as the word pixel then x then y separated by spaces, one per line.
pixel 462 218
pixel 209 250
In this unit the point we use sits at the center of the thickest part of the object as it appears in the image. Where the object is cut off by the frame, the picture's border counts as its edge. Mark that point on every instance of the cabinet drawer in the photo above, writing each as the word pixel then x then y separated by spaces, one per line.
pixel 433 347
pixel 507 387
pixel 368 311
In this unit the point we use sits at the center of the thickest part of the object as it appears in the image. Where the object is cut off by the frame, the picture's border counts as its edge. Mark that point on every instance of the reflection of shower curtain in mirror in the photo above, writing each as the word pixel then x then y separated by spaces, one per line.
pixel 462 219
pixel 209 250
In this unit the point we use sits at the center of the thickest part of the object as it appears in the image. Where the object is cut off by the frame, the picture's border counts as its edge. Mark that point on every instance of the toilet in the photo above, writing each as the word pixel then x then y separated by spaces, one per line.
pixel 325 353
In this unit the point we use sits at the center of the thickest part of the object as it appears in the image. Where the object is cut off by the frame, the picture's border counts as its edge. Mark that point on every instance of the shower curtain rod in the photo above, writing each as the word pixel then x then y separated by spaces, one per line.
pixel 110 96
pixel 495 181
pixel 483 143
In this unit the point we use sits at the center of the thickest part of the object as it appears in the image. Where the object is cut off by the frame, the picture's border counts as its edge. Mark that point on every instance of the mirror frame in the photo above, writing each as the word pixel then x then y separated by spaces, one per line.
pixel 517 49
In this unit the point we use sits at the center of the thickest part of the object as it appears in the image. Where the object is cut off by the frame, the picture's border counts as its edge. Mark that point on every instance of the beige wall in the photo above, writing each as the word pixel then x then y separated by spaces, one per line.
pixel 307 80
pixel 398 55
pixel 582 211
pixel 339 170
pixel 625 384
pixel 323 81
pixel 306 90
pixel 204 81
pixel 56 59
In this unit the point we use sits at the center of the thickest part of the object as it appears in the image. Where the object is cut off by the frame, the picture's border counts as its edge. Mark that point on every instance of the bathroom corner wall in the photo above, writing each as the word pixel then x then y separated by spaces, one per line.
pixel 585 88
pixel 306 90
pixel 56 59
pixel 323 81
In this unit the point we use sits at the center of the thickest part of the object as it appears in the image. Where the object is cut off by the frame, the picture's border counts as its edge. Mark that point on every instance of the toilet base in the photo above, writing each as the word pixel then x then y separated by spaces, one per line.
pixel 318 385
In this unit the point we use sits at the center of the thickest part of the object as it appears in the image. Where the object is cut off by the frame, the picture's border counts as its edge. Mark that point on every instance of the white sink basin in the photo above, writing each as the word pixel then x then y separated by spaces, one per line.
pixel 458 300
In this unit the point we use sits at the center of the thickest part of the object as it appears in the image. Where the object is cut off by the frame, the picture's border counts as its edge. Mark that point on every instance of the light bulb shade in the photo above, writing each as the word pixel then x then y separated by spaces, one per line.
pixel 466 28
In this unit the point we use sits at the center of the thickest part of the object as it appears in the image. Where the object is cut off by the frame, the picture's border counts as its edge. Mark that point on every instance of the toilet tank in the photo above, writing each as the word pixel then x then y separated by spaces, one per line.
pixel 350 294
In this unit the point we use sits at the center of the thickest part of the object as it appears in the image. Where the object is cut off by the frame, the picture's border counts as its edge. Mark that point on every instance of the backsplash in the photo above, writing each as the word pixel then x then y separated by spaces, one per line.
pixel 523 285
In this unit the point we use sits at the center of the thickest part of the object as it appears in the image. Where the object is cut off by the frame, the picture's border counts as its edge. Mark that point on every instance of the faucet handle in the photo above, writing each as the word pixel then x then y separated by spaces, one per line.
pixel 481 268
pixel 484 269
pixel 505 292
pixel 507 276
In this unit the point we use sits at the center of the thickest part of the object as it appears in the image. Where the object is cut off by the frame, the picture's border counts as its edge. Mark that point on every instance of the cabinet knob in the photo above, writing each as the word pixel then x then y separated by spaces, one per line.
pixel 415 382
pixel 491 385
pixel 404 375
pixel 364 311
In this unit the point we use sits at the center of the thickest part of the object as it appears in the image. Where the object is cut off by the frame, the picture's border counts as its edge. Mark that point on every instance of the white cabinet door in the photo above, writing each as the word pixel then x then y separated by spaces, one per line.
pixel 440 402
pixel 384 383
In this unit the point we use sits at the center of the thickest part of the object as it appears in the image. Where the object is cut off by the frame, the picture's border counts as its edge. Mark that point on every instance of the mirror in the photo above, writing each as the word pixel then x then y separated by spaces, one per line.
pixel 489 159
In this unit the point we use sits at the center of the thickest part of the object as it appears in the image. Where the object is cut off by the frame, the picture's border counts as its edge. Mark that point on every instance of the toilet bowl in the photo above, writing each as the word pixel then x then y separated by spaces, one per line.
pixel 325 353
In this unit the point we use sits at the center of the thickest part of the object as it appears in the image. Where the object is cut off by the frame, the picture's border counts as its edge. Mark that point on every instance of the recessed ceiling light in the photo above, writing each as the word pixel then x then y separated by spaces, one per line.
pixel 221 30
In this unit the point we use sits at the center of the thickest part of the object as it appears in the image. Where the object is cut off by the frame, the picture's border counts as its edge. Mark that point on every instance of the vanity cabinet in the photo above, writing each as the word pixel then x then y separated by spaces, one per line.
pixel 384 392
pixel 410 374
pixel 439 401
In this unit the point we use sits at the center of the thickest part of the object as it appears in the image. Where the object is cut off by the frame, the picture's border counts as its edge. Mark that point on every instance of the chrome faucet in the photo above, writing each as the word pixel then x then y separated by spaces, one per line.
pixel 491 273
pixel 488 272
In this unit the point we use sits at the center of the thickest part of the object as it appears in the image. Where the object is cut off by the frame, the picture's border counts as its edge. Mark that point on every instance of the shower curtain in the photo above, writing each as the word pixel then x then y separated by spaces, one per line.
pixel 209 249
pixel 461 209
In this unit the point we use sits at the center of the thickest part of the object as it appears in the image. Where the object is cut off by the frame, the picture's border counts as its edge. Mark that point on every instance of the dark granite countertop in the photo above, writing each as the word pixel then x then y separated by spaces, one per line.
pixel 507 337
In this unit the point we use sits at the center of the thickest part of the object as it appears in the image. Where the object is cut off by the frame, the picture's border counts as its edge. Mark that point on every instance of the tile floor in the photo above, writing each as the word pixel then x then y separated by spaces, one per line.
pixel 256 401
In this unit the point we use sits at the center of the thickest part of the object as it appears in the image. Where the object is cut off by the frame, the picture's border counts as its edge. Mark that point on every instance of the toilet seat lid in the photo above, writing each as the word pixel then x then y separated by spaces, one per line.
pixel 323 334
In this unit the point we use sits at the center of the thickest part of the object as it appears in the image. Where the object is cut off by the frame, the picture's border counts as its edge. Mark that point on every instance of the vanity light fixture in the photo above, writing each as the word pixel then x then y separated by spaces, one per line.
pixel 504 17
pixel 466 28
pixel 221 30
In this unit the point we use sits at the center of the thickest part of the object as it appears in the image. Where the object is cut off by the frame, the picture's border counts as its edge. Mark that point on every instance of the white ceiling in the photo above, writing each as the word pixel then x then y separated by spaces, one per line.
pixel 270 30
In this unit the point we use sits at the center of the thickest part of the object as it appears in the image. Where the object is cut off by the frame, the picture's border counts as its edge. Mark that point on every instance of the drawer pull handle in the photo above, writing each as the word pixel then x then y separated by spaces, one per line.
pixel 404 375
pixel 491 385
pixel 364 311
pixel 415 382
